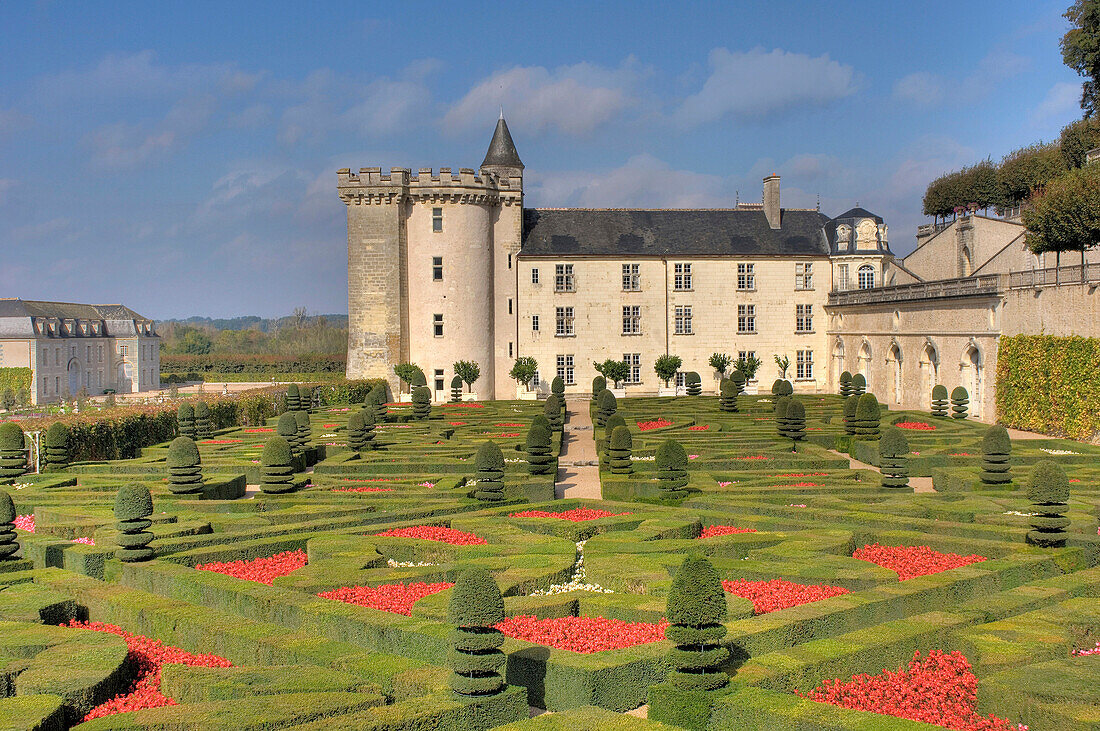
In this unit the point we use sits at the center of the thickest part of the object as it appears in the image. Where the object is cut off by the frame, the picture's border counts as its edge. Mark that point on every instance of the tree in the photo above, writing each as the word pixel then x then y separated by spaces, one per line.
pixel 299 317
pixel 727 395
pixel 748 365
pixel 850 405
pixel 133 506
pixel 540 459
pixel 694 383
pixel 859 384
pixel 1048 491
pixel 7 399
pixel 1023 171
pixel 476 607
pixel 468 371
pixel 939 401
pixel 796 422
pixel 606 405
pixel 720 362
pixel 489 461
pixel 523 370
pixel 845 384
pixel 666 367
pixel 696 609
pixel 1065 216
pixel 276 466
pixel 867 416
pixel 1081 50
pixel 1077 139
pixel 287 428
pixel 204 426
pixel 8 544
pixel 599 385
pixel 618 451
pixel 408 373
pixel 293 398
pixel 422 402
pixel 357 430
pixel 615 371
pixel 184 467
pixel 194 342
pixel 301 418
pixel 671 463
pixel 13 453
pixel 893 458
pixel 959 400
pixel 783 363
pixel 57 447
pixel 552 409
pixel 996 456
pixel 185 419
pixel 456 389
pixel 557 386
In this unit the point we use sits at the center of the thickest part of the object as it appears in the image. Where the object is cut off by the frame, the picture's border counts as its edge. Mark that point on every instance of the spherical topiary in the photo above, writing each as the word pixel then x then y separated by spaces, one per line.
pixel 939 401
pixel 959 400
pixel 696 609
pixel 599 384
pixel 287 428
pixel 996 456
pixel 845 384
pixel 57 447
pixel 618 451
pixel 540 458
pixel 694 383
pixel 557 386
pixel 185 419
pixel 422 402
pixel 9 544
pixel 779 410
pixel 456 389
pixel 727 398
pixel 1048 491
pixel 418 379
pixel 552 410
pixel 293 398
pixel 606 405
pixel 859 384
pixel 776 386
pixel 671 465
pixel 184 466
pixel 301 420
pixel 850 405
pixel 277 466
pixel 796 420
pixel 133 506
pixel 204 425
pixel 476 661
pixel 739 381
pixel 489 462
pixel 13 454
pixel 893 458
pixel 867 416
pixel 785 388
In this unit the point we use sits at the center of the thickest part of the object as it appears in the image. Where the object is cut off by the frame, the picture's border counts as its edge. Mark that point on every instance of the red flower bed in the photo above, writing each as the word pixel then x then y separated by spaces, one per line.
pixel 221 441
pixel 699 427
pixel 724 530
pixel 769 596
pixel 328 426
pixel 467 405
pixel 940 690
pixel 577 515
pixel 799 484
pixel 24 522
pixel 457 423
pixel 365 479
pixel 582 634
pixel 435 533
pixel 508 423
pixel 960 454
pixel 802 474
pixel 362 489
pixel 755 456
pixel 396 598
pixel 915 425
pixel 913 561
pixel 502 434
pixel 263 570
pixel 147 656
pixel 258 431
pixel 657 424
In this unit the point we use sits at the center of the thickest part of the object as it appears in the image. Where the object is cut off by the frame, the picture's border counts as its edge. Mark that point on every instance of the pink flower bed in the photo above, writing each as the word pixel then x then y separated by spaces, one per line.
pixel 502 434
pixel 465 405
pixel 699 427
pixel 221 441
pixel 723 530
pixel 435 533
pixel 915 425
pixel 912 561
pixel 262 570
pixel 754 457
pixel 508 423
pixel 362 489
pixel 396 598
pixel 26 523
pixel 802 474
pixel 799 484
pixel 771 596
pixel 258 431
pixel 582 634
pixel 1088 651
pixel 457 423
pixel 576 515
pixel 656 424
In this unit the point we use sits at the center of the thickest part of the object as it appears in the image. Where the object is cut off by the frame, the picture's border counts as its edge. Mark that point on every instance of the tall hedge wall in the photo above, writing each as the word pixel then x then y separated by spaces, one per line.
pixel 15 379
pixel 270 365
pixel 1049 384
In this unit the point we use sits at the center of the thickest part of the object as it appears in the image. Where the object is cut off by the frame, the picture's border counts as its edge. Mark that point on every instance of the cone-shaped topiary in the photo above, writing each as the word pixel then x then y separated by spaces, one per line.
pixel 133 506
pixel 301 420
pixel 796 420
pixel 867 417
pixel 277 466
pixel 939 401
pixel 8 543
pixel 845 384
pixel 287 428
pixel 606 405
pixel 615 420
pixel 727 399
pixel 540 458
pixel 422 402
pixel 475 609
pixel 618 451
pixel 184 466
pixel 293 398
pixel 996 456
pixel 376 402
pixel 489 462
pixel 356 429
pixel 859 384
pixel 694 383
pixel 552 409
pixel 57 447
pixel 893 458
pixel 599 384
pixel 557 386
pixel 13 454
pixel 456 389
pixel 1048 491
pixel 850 405
pixel 696 609
pixel 185 419
pixel 672 474
pixel 779 410
pixel 204 426
pixel 959 400
pixel 739 381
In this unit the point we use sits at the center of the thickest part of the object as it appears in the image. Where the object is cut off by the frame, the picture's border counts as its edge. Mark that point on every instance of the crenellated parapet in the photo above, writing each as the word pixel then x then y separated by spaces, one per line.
pixel 371 186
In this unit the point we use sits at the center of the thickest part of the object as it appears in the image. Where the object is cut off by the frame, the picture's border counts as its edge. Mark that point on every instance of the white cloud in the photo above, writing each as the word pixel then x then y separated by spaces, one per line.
pixel 1061 104
pixel 122 146
pixel 642 182
pixel 921 89
pixel 573 100
pixel 926 90
pixel 760 84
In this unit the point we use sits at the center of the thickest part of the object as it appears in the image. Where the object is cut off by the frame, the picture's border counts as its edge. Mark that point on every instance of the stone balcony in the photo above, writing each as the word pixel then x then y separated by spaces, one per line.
pixel 989 284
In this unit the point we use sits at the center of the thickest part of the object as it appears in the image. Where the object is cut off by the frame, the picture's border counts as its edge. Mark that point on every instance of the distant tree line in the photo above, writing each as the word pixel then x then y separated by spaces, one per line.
pixel 296 335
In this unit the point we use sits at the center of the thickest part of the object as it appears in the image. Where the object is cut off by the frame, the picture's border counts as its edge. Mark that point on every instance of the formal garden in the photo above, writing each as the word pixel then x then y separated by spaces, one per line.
pixel 344 561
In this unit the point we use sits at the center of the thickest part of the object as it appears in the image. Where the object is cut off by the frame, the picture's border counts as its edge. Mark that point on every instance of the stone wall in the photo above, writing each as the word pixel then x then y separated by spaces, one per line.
pixel 1068 309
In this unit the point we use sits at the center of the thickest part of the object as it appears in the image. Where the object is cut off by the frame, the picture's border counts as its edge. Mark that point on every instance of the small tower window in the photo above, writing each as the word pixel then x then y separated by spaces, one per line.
pixel 866 276
pixel 509 261
pixel 534 276
pixel 437 324
pixel 534 323
pixel 437 268
pixel 437 220
pixel 509 305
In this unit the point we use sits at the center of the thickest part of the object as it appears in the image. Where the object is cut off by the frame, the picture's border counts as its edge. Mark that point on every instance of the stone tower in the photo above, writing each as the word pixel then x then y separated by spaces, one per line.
pixel 428 267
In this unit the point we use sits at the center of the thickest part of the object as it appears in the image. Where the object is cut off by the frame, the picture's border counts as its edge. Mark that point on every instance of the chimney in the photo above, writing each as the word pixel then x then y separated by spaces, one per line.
pixel 771 200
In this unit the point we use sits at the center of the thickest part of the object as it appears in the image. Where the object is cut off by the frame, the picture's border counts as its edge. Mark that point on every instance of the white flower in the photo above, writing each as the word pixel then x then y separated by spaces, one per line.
pixel 406 564
pixel 650 458
pixel 1017 512
pixel 323 436
pixel 1058 452
pixel 576 581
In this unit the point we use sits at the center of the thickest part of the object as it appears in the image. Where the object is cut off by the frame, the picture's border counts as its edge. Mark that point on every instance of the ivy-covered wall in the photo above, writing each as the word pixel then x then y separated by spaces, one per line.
pixel 13 379
pixel 1050 384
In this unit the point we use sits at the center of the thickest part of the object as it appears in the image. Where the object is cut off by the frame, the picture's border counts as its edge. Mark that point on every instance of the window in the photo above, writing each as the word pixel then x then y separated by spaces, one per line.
pixel 87 353
pixel 45 357
pixel 563 321
pixel 632 320
pixel 681 276
pixel 438 379
pixel 804 276
pixel 746 318
pixel 803 318
pixel 124 350
pixel 536 380
pixel 565 369
pixel 509 305
pixel 682 320
pixel 57 356
pixel 509 349
pixel 437 220
pixel 509 261
pixel 563 278
pixel 804 365
pixel 437 324
pixel 99 353
pixel 534 276
pixel 680 379
pixel 534 323
pixel 866 276
pixel 842 277
pixel 437 268
pixel 631 278
pixel 634 367
pixel 746 277
pixel 745 354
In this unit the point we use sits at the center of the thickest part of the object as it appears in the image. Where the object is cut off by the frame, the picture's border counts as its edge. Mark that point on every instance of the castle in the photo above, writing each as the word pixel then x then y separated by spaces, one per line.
pixel 445 267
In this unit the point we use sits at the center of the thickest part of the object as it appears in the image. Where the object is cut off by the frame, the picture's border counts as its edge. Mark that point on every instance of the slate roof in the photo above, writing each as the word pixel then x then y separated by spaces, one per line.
pixel 858 212
pixel 650 232
pixel 17 316
pixel 502 151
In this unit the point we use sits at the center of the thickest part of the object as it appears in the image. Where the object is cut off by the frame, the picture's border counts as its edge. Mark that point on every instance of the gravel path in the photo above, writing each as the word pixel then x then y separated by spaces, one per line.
pixel 578 467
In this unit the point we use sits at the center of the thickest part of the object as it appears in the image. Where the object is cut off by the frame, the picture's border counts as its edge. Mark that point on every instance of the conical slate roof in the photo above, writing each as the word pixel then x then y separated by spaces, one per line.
pixel 502 151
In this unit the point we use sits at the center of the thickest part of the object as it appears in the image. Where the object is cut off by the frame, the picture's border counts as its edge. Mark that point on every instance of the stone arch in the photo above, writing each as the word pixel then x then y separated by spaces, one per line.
pixel 125 381
pixel 893 367
pixel 930 370
pixel 73 369
pixel 967 262
pixel 838 360
pixel 971 375
pixel 864 361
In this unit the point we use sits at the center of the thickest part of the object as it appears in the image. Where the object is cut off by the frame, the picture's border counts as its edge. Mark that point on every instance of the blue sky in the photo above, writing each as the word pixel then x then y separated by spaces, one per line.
pixel 180 157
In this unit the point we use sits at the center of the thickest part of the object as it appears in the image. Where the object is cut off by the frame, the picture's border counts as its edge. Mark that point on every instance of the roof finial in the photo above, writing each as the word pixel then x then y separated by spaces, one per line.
pixel 819 202
pixel 502 111
pixel 737 200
